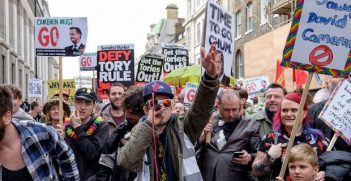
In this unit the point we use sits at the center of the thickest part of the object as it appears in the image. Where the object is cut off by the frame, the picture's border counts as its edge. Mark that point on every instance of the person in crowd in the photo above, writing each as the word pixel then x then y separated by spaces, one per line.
pixel 86 134
pixel 274 96
pixel 178 108
pixel 77 47
pixel 233 143
pixel 36 109
pixel 113 114
pixel 224 79
pixel 273 146
pixel 25 106
pixel 52 114
pixel 28 148
pixel 18 113
pixel 133 106
pixel 302 164
pixel 161 146
pixel 316 109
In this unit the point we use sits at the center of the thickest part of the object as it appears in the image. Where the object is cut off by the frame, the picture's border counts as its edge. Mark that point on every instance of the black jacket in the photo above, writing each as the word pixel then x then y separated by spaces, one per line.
pixel 87 149
pixel 337 165
pixel 116 173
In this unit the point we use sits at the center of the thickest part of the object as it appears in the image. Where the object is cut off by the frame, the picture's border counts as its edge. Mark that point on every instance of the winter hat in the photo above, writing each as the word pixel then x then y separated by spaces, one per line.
pixel 295 97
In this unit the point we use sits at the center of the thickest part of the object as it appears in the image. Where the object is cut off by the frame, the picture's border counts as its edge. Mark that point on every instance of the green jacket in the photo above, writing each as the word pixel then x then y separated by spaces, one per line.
pixel 265 122
pixel 131 155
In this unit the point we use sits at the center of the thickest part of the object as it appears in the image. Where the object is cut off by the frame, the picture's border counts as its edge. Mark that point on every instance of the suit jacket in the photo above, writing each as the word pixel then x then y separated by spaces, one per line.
pixel 217 164
pixel 70 52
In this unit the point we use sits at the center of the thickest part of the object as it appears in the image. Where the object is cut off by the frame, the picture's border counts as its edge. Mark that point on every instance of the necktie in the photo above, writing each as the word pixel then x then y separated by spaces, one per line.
pixel 74 47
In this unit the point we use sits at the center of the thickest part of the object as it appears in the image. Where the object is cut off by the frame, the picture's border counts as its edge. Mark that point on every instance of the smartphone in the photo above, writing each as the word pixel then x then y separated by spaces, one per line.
pixel 237 154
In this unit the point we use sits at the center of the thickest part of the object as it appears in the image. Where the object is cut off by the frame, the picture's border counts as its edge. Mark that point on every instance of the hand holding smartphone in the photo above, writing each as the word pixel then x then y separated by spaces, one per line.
pixel 237 154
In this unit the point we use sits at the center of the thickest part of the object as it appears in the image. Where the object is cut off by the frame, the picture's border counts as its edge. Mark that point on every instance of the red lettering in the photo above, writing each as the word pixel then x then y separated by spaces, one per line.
pixel 43 39
pixel 102 56
pixel 54 38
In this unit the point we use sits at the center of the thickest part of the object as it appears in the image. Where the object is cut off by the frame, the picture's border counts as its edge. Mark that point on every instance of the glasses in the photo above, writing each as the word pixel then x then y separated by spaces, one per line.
pixel 162 102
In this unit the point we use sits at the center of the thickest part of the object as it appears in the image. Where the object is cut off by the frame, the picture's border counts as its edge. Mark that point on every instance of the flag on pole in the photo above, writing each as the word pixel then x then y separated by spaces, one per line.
pixel 279 76
pixel 299 77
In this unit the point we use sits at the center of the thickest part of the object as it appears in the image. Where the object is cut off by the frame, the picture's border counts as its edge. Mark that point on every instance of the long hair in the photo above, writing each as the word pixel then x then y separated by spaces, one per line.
pixel 306 122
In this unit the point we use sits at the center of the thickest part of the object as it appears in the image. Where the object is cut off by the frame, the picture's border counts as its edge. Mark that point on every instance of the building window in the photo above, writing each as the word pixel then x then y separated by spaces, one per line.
pixel 188 35
pixel 264 4
pixel 13 68
pixel 2 66
pixel 239 64
pixel 198 32
pixel 188 9
pixel 238 24
pixel 249 17
pixel 20 78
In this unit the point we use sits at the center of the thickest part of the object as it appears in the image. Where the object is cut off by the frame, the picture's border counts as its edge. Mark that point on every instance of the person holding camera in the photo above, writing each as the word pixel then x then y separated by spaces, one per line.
pixel 233 144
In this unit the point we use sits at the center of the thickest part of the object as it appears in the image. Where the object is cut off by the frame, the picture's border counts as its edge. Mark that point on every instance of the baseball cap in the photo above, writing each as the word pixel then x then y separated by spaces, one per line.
pixel 158 88
pixel 86 93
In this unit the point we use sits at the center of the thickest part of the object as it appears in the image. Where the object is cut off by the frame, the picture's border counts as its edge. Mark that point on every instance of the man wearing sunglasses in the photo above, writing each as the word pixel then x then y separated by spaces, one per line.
pixel 161 145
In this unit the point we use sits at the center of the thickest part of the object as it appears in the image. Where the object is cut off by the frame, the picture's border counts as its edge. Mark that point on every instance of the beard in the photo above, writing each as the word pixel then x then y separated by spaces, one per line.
pixel 114 106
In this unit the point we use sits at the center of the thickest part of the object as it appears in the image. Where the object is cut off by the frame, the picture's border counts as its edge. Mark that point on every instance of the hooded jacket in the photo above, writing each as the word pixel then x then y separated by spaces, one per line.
pixel 21 115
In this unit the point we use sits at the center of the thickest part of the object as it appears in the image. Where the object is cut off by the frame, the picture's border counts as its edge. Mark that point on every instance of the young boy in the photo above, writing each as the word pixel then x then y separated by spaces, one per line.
pixel 303 163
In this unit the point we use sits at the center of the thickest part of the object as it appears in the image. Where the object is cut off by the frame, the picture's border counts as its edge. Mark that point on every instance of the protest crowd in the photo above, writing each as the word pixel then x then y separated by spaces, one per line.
pixel 146 133
pixel 139 126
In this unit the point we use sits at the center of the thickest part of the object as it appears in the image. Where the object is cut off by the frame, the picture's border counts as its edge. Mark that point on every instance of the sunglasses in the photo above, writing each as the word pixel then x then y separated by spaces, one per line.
pixel 159 103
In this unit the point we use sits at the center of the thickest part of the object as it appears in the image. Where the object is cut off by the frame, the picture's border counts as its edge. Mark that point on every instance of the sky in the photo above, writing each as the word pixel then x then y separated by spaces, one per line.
pixel 112 22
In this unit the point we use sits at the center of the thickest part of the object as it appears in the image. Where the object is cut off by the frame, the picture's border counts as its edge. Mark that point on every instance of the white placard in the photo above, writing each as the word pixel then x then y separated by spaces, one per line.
pixel 337 111
pixel 87 62
pixel 255 85
pixel 35 88
pixel 60 36
pixel 189 94
pixel 220 28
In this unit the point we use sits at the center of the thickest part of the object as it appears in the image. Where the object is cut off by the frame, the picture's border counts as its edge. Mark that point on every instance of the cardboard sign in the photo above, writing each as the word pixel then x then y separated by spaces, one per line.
pixel 35 88
pixel 220 28
pixel 60 36
pixel 87 62
pixel 256 85
pixel 69 85
pixel 176 56
pixel 337 111
pixel 189 95
pixel 149 68
pixel 320 38
pixel 115 64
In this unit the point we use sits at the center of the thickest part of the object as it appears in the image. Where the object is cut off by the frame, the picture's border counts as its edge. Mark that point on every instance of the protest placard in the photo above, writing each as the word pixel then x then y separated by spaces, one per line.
pixel 87 62
pixel 149 68
pixel 320 38
pixel 219 28
pixel 189 94
pixel 69 86
pixel 35 88
pixel 115 63
pixel 176 56
pixel 337 111
pixel 256 85
pixel 60 36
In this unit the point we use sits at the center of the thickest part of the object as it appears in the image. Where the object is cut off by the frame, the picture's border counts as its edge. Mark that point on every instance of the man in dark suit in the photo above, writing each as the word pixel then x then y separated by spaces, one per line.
pixel 77 48
pixel 233 143
pixel 224 79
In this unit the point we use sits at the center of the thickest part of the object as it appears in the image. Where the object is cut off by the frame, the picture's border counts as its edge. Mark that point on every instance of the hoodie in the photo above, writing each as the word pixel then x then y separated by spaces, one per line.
pixel 20 115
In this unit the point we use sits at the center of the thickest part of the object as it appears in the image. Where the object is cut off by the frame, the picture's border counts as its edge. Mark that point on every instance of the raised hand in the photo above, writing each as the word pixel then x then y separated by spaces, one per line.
pixel 208 60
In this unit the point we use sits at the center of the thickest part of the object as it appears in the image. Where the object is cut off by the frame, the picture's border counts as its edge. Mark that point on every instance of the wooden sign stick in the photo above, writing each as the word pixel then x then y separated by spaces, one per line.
pixel 297 124
pixel 208 134
pixel 332 142
pixel 60 93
